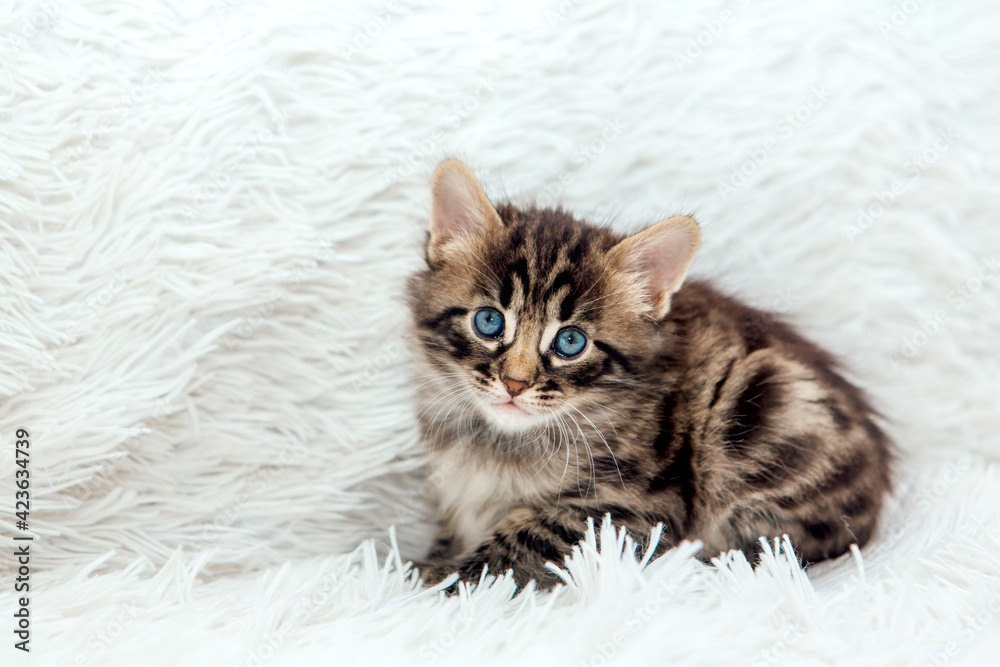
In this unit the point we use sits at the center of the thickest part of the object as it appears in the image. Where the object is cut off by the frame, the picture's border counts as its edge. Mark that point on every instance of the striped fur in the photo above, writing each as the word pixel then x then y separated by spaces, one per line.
pixel 715 419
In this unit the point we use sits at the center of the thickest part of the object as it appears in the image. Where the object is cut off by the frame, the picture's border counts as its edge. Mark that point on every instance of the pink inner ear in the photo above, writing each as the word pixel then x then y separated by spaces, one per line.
pixel 459 208
pixel 664 260
pixel 455 213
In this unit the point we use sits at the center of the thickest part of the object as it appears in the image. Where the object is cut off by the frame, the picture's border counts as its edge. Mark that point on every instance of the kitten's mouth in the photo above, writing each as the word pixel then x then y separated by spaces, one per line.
pixel 511 416
pixel 511 408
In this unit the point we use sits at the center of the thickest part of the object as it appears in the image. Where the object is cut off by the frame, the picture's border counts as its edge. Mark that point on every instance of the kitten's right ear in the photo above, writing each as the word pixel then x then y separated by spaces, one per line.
pixel 460 211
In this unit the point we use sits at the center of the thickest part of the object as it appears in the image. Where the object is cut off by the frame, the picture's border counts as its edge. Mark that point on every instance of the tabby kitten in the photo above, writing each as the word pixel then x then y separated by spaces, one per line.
pixel 567 372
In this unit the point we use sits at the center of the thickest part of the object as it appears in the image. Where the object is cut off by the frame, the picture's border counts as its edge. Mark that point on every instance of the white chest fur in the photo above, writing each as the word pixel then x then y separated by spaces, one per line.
pixel 476 493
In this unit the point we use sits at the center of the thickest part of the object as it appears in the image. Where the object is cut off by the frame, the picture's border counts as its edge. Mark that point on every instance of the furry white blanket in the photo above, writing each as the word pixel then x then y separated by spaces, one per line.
pixel 207 211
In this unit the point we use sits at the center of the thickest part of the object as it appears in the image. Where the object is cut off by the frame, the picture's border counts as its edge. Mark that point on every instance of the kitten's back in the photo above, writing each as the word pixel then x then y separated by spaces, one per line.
pixel 782 440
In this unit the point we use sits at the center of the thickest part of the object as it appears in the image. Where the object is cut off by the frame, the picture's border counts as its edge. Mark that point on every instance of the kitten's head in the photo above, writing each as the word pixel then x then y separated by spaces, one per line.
pixel 526 314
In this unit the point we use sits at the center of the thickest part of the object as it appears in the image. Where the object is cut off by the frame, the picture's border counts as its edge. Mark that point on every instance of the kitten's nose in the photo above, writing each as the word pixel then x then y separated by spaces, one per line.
pixel 515 387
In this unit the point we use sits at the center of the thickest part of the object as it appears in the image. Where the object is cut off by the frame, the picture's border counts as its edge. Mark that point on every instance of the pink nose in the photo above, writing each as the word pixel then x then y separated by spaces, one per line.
pixel 515 387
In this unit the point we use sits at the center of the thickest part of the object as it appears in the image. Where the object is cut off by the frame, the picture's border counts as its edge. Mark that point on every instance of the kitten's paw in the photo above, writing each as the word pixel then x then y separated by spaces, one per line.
pixel 435 574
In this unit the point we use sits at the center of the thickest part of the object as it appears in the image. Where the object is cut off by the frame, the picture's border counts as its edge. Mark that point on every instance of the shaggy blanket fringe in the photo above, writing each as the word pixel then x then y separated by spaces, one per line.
pixel 208 210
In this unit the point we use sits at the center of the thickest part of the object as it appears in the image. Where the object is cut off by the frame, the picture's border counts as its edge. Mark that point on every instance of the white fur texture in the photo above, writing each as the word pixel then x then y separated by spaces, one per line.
pixel 207 211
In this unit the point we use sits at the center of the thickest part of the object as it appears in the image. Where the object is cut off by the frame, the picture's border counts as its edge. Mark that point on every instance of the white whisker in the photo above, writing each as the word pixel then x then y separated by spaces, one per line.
pixel 613 457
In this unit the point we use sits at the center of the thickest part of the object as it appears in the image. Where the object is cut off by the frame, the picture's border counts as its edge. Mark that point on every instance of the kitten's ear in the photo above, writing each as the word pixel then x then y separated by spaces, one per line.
pixel 659 256
pixel 460 210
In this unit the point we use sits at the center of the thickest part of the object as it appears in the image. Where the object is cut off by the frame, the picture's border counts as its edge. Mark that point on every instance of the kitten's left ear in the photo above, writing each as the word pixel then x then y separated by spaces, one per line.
pixel 460 211
pixel 659 256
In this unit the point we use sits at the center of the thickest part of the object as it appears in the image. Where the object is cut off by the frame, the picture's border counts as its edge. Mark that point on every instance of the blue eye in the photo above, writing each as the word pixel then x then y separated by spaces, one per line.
pixel 569 342
pixel 489 322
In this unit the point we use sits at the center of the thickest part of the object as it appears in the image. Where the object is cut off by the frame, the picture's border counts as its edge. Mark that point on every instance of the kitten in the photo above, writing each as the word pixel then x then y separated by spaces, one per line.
pixel 569 372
